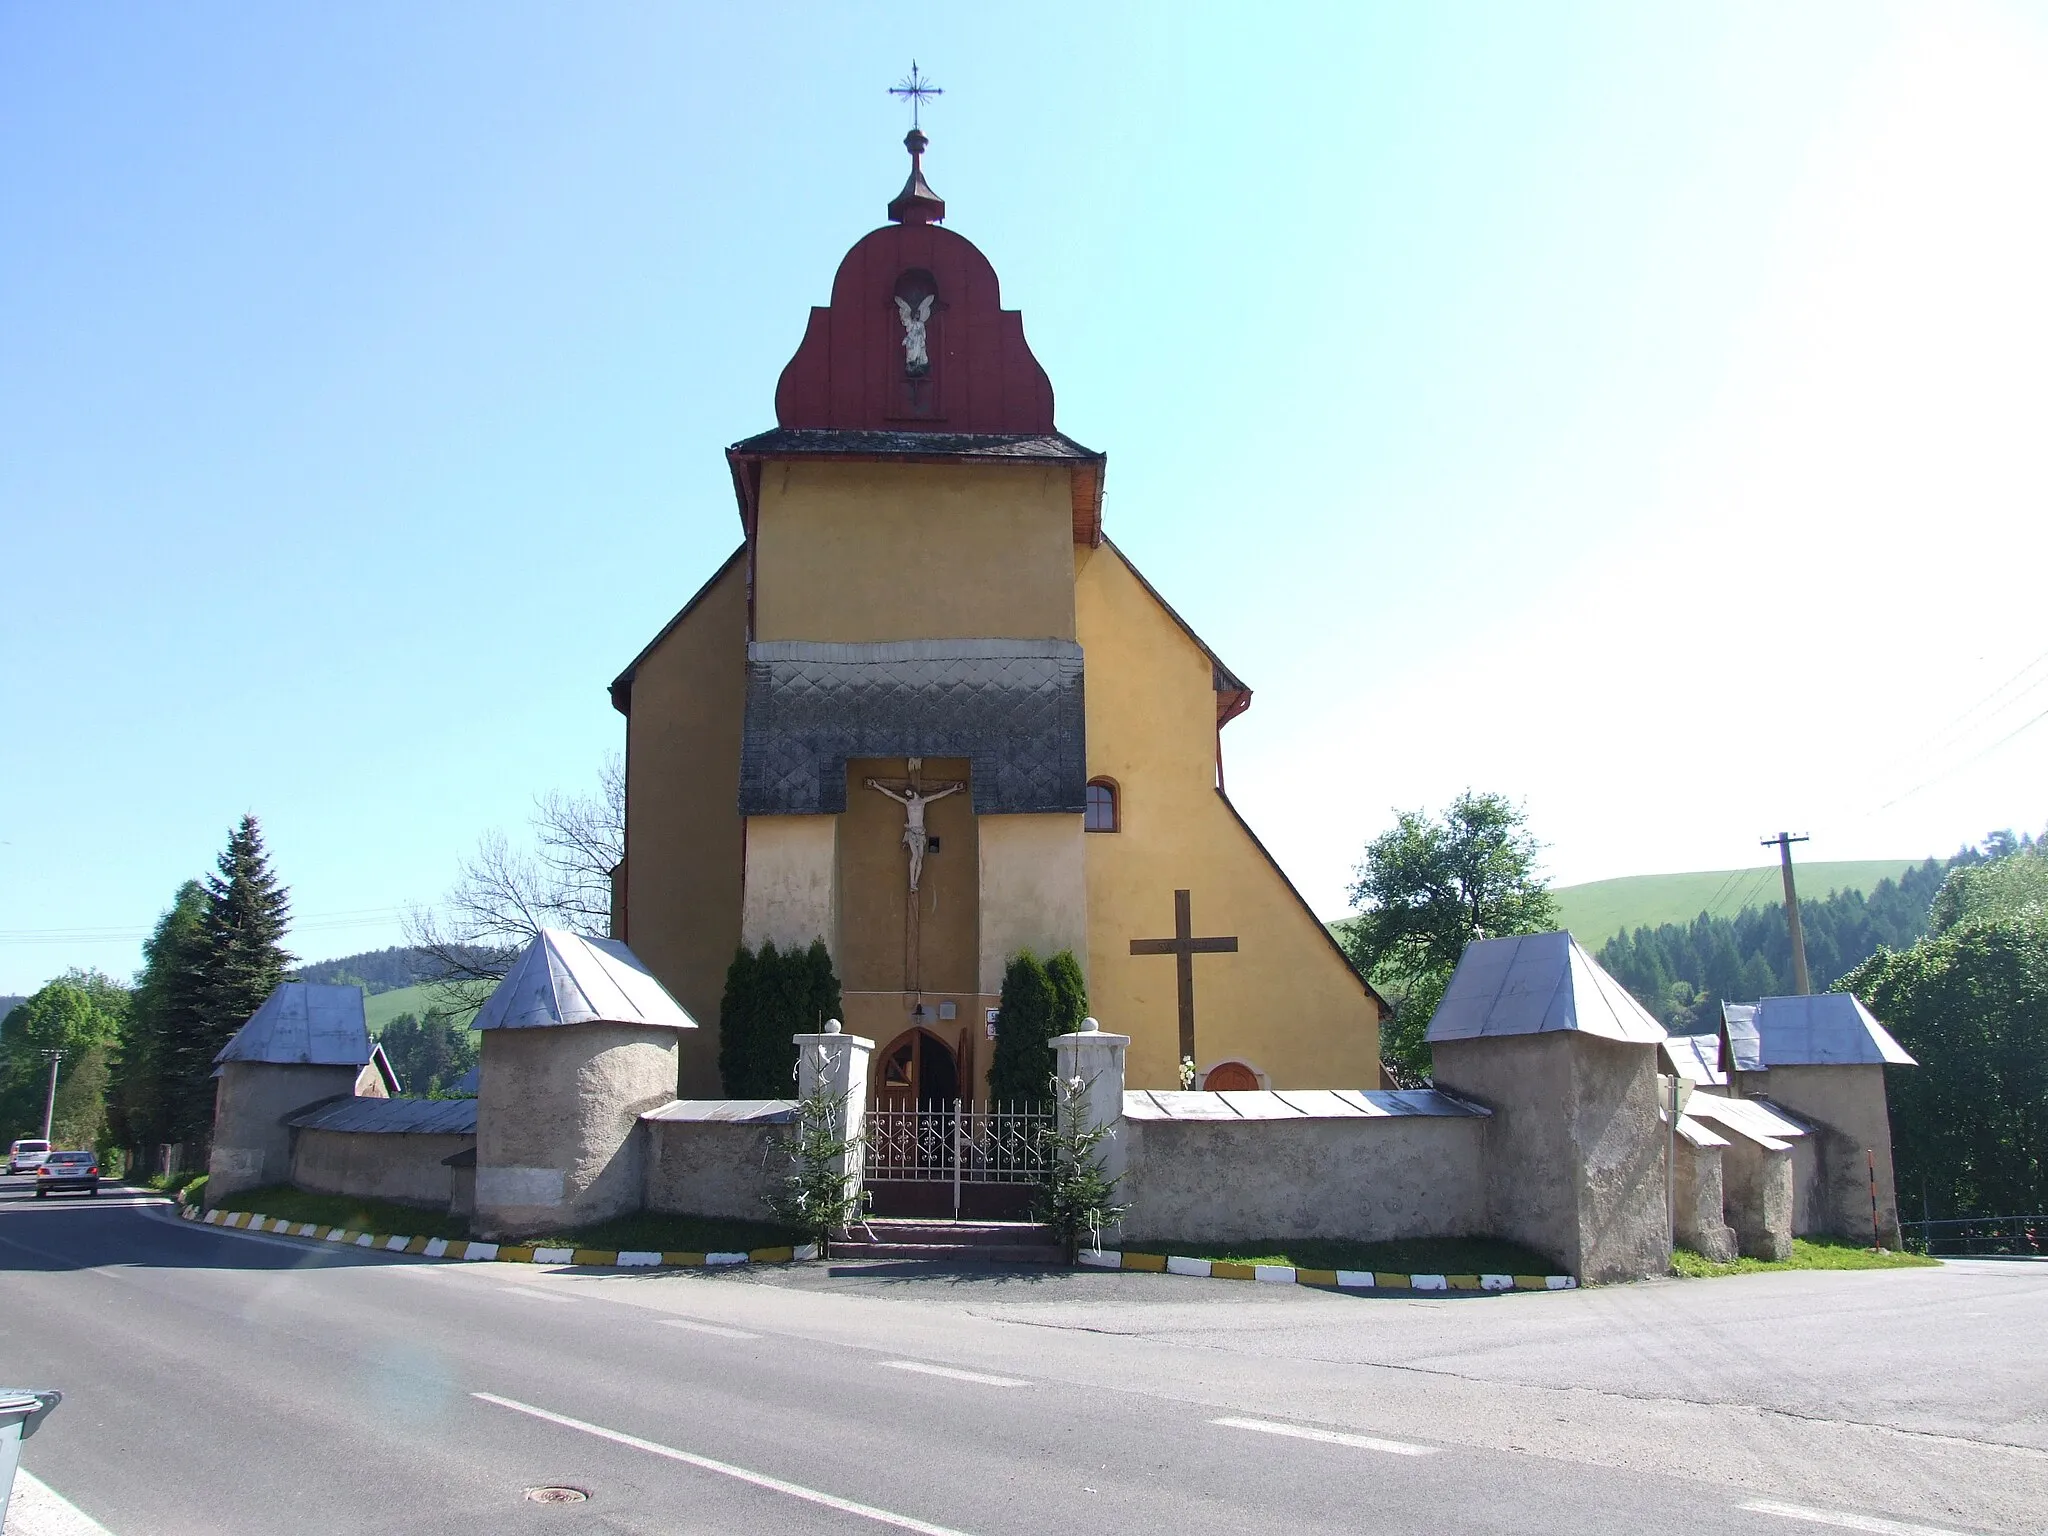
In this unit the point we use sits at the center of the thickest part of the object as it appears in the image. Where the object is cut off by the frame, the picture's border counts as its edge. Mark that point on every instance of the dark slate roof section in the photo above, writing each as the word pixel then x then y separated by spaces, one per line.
pixel 394 1117
pixel 1015 708
pixel 622 685
pixel 1227 681
pixel 826 442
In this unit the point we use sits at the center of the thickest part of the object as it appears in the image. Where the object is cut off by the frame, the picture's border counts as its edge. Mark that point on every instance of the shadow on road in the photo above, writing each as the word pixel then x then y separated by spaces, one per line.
pixel 58 1234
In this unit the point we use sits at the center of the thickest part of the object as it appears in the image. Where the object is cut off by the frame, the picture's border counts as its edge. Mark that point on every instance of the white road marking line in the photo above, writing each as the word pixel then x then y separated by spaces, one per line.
pixel 531 1293
pixel 1844 1522
pixel 1329 1437
pixel 697 1327
pixel 37 1509
pixel 725 1469
pixel 979 1377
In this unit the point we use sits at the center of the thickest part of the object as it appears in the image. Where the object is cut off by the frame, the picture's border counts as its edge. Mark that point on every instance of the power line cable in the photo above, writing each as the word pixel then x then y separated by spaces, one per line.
pixel 1956 727
pixel 1947 773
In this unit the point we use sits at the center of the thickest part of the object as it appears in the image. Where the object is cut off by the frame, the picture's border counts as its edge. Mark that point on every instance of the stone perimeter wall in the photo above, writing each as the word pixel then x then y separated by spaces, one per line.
pixel 378 1165
pixel 712 1167
pixel 1224 1181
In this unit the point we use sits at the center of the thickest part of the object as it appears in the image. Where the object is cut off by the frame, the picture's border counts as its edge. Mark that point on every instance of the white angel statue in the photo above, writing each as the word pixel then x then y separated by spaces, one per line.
pixel 915 358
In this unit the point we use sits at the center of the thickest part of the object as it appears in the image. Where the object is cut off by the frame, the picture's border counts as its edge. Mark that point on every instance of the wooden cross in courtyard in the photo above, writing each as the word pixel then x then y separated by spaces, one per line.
pixel 1184 946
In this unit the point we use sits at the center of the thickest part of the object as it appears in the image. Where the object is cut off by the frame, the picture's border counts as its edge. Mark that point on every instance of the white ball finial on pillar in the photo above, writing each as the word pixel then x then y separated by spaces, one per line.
pixel 1090 1026
pixel 833 1026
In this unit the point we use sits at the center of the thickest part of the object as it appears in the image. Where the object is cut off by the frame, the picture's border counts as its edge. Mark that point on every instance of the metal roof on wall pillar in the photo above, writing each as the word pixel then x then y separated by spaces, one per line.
pixel 1537 983
pixel 564 978
pixel 1741 1051
pixel 304 1024
pixel 1832 1029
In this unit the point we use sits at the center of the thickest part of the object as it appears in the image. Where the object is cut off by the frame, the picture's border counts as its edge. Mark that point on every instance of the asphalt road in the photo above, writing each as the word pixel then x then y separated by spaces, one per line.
pixel 219 1382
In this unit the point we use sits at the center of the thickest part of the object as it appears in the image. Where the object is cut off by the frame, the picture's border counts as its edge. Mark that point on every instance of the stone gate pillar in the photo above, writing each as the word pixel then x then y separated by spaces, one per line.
pixel 1097 1059
pixel 835 1062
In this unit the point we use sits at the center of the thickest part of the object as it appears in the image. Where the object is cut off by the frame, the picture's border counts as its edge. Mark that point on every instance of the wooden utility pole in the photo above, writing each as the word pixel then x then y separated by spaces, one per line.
pixel 50 1103
pixel 1783 843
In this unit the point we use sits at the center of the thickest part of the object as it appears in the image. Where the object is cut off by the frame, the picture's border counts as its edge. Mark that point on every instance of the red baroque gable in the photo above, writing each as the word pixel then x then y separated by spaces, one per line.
pixel 851 371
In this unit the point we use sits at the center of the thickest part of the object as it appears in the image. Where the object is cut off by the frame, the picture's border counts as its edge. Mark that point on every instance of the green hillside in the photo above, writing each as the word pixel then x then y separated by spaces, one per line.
pixel 382 1007
pixel 1596 911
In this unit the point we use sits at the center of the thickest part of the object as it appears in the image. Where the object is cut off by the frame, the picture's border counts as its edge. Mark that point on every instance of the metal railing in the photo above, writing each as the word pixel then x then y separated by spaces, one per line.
pixel 956 1143
pixel 1981 1236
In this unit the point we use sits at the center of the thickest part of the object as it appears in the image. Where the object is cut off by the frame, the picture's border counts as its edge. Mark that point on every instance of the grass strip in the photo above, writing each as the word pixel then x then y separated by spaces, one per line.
pixel 1403 1257
pixel 1807 1253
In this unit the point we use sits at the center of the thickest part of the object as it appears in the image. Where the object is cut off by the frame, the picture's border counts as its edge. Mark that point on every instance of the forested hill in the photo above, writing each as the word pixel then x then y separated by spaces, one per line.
pixel 1682 972
pixel 377 970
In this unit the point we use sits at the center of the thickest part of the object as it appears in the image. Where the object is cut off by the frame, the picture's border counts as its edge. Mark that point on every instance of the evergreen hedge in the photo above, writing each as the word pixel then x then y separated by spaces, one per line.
pixel 770 996
pixel 1041 999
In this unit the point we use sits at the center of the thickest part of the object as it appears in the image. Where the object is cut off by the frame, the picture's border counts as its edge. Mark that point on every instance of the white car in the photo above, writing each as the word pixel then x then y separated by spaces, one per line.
pixel 27 1156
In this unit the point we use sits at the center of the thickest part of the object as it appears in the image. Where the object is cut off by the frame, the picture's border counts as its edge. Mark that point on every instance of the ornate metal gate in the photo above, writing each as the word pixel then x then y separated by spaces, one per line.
pixel 962 1146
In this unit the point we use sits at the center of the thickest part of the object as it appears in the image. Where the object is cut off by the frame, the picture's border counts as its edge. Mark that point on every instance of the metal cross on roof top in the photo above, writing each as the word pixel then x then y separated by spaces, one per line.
pixel 916 89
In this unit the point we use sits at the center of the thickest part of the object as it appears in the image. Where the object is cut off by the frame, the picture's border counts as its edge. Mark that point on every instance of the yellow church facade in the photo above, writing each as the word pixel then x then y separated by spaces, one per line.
pixel 929 714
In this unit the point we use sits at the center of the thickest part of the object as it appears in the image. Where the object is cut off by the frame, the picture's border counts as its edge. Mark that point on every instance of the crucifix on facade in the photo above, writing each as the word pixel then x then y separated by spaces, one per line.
pixel 1184 946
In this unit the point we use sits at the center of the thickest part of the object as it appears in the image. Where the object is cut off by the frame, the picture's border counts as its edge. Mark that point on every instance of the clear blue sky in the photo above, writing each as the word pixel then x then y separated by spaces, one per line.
pixel 1636 409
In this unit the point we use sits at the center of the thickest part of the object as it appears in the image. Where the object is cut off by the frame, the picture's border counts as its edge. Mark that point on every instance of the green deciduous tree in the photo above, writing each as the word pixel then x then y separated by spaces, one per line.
pixel 2012 886
pixel 1970 1122
pixel 80 1014
pixel 1427 888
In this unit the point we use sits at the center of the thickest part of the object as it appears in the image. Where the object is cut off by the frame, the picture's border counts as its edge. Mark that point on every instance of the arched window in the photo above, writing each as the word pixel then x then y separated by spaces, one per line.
pixel 1230 1076
pixel 1102 807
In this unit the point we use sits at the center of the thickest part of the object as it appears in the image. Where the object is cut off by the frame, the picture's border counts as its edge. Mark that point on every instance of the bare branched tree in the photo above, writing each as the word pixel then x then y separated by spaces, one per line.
pixel 503 895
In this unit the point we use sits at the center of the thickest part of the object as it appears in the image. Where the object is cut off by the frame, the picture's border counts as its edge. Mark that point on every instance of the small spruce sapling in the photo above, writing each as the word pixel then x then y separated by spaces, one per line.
pixel 821 1191
pixel 1078 1196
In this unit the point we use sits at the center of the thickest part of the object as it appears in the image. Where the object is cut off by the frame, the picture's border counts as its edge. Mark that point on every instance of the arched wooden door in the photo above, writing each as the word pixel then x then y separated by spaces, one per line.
pixel 916 1069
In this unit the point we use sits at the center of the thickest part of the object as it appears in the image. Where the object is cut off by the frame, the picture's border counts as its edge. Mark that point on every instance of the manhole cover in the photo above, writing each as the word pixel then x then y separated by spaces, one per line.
pixel 557 1495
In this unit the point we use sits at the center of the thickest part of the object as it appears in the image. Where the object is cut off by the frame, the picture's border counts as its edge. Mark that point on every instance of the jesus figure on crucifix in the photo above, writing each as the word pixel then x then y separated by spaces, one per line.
pixel 913 801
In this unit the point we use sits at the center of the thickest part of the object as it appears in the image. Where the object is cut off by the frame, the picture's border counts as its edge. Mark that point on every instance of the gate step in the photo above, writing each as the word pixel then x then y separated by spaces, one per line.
pixel 1011 1242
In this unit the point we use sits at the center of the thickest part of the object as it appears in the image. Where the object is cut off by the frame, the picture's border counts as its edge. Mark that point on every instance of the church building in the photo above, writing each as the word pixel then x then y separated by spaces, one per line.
pixel 928 713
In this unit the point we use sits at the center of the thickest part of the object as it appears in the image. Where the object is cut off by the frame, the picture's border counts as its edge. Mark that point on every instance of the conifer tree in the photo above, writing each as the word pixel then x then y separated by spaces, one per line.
pixel 1026 1021
pixel 822 1000
pixel 1071 988
pixel 735 1022
pixel 165 1007
pixel 770 998
pixel 240 961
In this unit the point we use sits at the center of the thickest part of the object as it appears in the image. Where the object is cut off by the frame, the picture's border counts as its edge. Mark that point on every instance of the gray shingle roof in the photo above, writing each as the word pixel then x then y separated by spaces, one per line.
pixel 1537 983
pixel 564 978
pixel 1015 708
pixel 304 1024
pixel 410 1117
